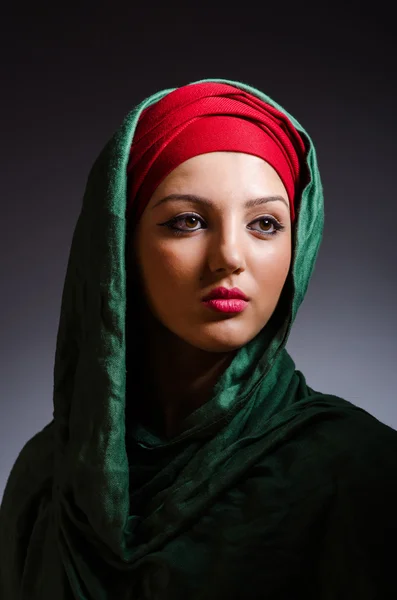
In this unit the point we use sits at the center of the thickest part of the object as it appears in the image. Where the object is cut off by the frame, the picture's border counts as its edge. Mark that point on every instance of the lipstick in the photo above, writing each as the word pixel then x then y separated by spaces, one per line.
pixel 226 300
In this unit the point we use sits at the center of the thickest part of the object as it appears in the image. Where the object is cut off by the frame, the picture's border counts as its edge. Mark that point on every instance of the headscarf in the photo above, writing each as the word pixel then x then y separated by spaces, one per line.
pixel 209 117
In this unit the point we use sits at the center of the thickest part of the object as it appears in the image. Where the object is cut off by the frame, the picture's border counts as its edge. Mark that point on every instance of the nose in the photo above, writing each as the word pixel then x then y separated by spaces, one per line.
pixel 226 253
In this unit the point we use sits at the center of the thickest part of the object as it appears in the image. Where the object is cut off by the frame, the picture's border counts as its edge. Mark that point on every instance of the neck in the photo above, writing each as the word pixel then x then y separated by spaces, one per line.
pixel 181 377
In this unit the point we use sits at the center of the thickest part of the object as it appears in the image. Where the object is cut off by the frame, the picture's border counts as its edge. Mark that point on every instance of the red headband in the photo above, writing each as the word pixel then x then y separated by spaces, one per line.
pixel 209 117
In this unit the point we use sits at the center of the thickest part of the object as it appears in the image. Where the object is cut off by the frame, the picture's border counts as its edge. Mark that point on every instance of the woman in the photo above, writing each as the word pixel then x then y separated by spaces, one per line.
pixel 188 458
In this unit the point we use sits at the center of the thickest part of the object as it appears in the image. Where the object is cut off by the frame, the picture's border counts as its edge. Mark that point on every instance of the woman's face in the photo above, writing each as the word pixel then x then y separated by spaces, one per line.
pixel 185 247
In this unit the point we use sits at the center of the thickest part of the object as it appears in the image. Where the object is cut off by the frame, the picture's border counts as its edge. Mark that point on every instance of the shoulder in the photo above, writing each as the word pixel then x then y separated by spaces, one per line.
pixel 356 554
pixel 28 485
pixel 352 431
pixel 326 441
pixel 348 431
pixel 32 468
pixel 353 450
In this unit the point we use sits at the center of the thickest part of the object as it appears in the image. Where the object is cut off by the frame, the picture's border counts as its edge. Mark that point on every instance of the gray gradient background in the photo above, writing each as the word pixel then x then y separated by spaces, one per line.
pixel 69 77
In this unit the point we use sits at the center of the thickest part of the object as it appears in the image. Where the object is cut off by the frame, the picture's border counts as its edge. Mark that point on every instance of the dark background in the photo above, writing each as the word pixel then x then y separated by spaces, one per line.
pixel 70 73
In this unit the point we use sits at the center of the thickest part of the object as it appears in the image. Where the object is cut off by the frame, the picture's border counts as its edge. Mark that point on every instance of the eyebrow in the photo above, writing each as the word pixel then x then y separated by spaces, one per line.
pixel 207 202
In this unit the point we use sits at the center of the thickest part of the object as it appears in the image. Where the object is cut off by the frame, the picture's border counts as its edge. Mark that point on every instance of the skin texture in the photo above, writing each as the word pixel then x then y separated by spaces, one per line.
pixel 189 345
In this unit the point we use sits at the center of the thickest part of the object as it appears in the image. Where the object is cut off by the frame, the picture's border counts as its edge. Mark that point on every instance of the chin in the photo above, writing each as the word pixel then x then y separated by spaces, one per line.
pixel 220 341
pixel 213 346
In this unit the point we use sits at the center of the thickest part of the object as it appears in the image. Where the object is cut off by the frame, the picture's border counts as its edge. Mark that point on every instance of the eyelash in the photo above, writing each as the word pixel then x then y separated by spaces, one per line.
pixel 175 231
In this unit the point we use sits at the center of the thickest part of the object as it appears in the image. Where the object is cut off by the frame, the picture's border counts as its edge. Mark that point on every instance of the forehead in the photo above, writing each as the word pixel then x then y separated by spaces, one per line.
pixel 220 177
pixel 225 169
pixel 218 160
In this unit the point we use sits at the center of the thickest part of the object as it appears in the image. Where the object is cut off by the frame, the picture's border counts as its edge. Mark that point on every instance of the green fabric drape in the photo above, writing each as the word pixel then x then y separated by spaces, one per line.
pixel 272 490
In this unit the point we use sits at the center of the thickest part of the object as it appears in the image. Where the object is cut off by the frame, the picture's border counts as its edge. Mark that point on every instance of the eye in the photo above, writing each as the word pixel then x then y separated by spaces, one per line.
pixel 190 220
pixel 268 225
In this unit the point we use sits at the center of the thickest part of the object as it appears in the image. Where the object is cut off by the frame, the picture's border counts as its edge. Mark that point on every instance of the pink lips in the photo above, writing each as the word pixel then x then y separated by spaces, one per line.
pixel 224 300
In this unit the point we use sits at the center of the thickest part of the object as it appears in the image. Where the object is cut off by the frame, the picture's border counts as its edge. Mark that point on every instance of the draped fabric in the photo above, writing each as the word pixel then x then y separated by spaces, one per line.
pixel 272 490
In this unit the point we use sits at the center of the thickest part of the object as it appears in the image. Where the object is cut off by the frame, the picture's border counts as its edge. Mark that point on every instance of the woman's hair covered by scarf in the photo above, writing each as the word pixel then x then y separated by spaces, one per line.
pixel 209 117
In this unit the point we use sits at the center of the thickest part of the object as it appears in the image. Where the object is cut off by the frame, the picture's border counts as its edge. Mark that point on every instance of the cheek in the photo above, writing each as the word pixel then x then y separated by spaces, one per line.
pixel 168 266
pixel 271 268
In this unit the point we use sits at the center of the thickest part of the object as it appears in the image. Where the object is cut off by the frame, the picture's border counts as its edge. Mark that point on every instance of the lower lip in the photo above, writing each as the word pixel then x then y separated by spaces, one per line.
pixel 232 305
